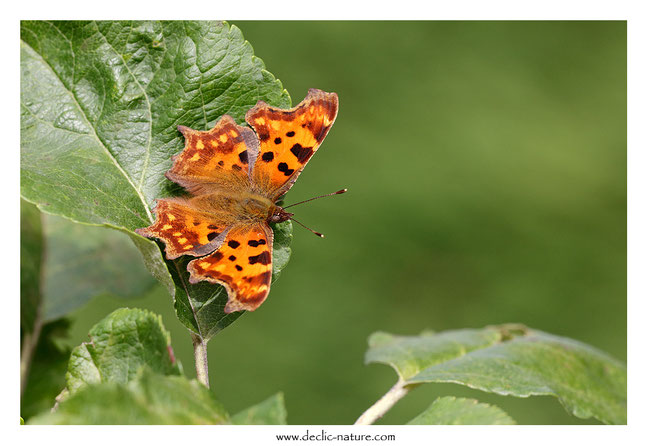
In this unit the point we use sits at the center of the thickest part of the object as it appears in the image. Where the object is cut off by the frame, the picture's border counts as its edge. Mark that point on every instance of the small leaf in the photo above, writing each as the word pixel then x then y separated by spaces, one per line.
pixel 522 362
pixel 148 399
pixel 270 411
pixel 123 343
pixel 451 410
pixel 100 103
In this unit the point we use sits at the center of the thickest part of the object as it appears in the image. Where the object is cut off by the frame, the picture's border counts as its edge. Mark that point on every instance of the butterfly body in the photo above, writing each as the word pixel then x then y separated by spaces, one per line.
pixel 235 175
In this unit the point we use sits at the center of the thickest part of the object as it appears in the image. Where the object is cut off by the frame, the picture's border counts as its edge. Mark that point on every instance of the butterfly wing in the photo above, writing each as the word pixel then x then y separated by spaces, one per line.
pixel 288 139
pixel 211 162
pixel 243 265
pixel 215 159
pixel 188 227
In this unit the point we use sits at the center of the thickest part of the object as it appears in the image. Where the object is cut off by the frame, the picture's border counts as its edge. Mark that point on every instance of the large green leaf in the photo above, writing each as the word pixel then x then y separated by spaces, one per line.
pixel 513 361
pixel 100 103
pixel 85 261
pixel 81 262
pixel 451 410
pixel 269 411
pixel 120 346
pixel 148 399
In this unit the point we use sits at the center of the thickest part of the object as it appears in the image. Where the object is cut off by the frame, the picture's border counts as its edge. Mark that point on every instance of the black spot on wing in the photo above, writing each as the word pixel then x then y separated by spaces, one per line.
pixel 233 244
pixel 263 258
pixel 283 167
pixel 277 140
pixel 302 153
pixel 267 156
pixel 243 156
pixel 212 235
pixel 255 243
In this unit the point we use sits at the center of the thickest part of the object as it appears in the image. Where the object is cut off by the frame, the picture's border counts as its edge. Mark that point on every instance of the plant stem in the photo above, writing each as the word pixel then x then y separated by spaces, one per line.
pixel 200 356
pixel 385 403
pixel 30 341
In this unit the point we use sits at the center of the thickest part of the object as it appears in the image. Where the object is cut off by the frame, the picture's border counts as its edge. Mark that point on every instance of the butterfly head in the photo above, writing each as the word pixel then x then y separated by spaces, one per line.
pixel 278 215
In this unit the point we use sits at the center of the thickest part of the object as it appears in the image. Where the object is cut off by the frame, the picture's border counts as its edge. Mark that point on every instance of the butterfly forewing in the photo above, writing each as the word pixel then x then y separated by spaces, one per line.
pixel 216 159
pixel 288 139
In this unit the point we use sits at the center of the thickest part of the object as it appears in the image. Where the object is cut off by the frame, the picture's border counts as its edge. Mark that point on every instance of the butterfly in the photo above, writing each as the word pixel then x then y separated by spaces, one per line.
pixel 235 175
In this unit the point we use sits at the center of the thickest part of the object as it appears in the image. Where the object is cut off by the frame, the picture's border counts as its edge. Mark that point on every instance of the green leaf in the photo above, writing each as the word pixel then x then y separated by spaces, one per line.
pixel 81 262
pixel 120 346
pixel 514 361
pixel 85 261
pixel 408 355
pixel 451 410
pixel 149 399
pixel 31 248
pixel 100 103
pixel 269 411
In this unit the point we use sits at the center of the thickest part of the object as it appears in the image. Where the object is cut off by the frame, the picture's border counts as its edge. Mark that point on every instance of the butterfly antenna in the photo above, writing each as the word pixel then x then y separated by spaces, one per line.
pixel 319 234
pixel 341 191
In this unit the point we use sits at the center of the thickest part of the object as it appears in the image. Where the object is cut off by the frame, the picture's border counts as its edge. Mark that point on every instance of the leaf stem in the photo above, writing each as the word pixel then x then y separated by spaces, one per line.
pixel 200 357
pixel 380 407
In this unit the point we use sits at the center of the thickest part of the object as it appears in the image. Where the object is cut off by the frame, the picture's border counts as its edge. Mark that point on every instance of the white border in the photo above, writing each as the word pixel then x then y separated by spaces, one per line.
pixel 336 10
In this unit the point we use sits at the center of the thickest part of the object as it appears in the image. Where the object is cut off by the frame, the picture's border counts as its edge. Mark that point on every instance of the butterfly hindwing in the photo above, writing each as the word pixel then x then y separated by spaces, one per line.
pixel 289 138
pixel 215 159
pixel 243 264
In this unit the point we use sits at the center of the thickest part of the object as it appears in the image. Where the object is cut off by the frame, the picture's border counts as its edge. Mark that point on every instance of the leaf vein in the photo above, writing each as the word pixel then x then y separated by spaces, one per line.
pixel 148 104
pixel 94 132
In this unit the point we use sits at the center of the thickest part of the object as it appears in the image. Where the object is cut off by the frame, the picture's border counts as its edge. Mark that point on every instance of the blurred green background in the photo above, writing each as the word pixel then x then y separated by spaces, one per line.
pixel 486 167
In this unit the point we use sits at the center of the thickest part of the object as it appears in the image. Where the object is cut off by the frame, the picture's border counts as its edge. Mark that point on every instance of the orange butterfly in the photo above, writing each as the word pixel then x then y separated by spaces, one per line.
pixel 235 175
